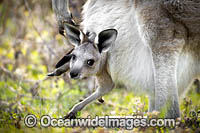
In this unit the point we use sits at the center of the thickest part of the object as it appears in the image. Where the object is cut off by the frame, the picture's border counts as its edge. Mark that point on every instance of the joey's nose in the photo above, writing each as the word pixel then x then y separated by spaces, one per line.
pixel 74 75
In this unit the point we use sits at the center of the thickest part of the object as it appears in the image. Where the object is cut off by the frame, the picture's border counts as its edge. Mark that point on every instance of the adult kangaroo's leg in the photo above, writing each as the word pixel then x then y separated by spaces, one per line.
pixel 166 38
pixel 166 92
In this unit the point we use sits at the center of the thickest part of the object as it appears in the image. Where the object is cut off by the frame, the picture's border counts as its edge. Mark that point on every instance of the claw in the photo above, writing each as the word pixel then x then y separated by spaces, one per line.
pixel 70 115
pixel 101 100
pixel 80 100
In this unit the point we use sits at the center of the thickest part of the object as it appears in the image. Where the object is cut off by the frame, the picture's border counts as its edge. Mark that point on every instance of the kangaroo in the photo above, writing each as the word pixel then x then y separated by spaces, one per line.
pixel 150 46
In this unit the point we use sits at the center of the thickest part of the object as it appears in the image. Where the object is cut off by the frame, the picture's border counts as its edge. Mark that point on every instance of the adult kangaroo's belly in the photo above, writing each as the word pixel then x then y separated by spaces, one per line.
pixel 129 60
pixel 132 66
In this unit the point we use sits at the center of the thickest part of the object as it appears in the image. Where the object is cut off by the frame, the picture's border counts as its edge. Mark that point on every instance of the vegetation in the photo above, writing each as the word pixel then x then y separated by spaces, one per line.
pixel 30 46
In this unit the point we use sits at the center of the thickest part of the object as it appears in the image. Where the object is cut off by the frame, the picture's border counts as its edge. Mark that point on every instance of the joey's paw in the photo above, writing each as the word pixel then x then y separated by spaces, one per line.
pixel 101 100
pixel 80 100
pixel 70 115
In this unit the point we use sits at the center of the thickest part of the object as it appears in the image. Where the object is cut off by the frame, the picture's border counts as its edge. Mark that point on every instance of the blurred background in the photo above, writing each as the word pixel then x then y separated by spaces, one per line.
pixel 30 46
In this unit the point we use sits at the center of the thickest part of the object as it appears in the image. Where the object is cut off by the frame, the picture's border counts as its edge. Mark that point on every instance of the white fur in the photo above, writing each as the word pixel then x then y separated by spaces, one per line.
pixel 130 60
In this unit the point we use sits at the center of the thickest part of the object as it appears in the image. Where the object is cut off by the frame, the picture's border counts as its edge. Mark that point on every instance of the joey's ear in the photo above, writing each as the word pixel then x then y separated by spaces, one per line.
pixel 105 39
pixel 74 34
pixel 64 59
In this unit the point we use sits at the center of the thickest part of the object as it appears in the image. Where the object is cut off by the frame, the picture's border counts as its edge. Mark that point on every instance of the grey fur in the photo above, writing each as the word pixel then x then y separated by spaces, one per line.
pixel 156 51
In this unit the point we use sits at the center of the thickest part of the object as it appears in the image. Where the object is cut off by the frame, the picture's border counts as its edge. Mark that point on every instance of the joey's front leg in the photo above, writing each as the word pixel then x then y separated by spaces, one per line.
pixel 105 85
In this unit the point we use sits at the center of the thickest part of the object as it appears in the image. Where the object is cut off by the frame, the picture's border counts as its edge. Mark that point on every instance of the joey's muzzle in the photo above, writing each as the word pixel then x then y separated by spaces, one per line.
pixel 74 74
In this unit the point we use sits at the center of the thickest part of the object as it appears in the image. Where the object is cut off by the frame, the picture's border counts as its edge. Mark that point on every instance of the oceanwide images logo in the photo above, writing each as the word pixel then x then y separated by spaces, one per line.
pixel 127 122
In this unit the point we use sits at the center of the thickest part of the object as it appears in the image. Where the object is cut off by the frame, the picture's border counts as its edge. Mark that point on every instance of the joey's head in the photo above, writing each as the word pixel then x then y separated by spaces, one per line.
pixel 87 56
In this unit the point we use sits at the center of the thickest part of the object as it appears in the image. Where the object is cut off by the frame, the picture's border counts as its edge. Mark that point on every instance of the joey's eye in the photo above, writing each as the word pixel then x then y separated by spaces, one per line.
pixel 73 57
pixel 90 62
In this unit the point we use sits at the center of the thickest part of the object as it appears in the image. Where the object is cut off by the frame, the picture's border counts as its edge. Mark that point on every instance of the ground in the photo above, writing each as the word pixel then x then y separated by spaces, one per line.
pixel 30 46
